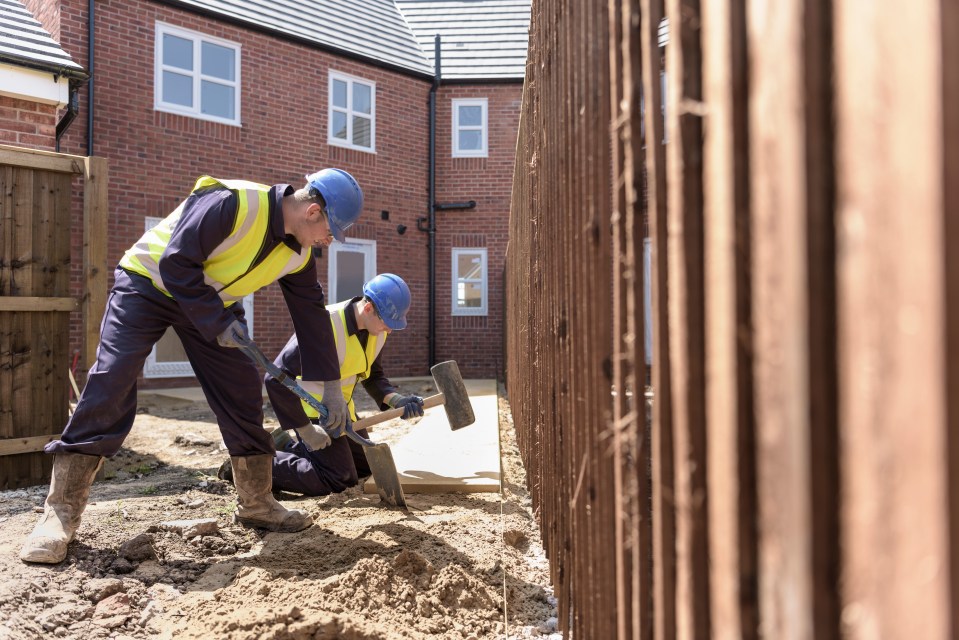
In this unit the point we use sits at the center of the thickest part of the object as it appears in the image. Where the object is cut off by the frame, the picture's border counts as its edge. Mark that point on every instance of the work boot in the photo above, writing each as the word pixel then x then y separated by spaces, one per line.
pixel 70 482
pixel 253 477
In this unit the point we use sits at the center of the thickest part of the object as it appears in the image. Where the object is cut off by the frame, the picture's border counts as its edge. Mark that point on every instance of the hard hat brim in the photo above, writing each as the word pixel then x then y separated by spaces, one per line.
pixel 336 231
pixel 395 325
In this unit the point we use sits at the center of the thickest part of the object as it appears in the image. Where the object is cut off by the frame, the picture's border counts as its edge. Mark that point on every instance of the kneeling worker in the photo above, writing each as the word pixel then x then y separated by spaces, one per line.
pixel 315 464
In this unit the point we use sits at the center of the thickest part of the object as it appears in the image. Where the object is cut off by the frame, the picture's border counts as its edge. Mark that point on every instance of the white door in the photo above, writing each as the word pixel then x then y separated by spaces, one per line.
pixel 351 264
pixel 168 359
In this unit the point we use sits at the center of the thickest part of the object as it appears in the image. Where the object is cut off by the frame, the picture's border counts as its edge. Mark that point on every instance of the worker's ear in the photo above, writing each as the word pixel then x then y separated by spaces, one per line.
pixel 314 211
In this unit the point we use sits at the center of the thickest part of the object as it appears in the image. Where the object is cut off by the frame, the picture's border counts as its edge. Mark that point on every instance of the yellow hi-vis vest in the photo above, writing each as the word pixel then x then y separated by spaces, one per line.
pixel 227 268
pixel 355 361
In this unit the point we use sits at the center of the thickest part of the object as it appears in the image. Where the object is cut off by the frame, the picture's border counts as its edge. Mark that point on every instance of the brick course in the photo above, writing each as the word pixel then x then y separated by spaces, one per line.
pixel 24 123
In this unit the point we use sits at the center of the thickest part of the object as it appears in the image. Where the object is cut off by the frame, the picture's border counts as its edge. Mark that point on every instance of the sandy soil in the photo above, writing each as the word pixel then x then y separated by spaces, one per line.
pixel 454 566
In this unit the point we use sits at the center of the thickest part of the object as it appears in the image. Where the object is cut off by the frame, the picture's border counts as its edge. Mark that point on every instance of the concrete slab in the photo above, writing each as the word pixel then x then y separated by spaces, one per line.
pixel 432 458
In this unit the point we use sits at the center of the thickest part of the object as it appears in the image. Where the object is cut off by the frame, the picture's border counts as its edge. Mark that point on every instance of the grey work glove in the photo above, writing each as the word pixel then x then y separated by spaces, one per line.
pixel 338 417
pixel 314 437
pixel 412 405
pixel 234 336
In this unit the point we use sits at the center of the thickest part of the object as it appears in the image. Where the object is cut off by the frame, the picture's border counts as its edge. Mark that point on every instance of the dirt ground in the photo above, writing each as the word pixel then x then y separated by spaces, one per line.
pixel 454 566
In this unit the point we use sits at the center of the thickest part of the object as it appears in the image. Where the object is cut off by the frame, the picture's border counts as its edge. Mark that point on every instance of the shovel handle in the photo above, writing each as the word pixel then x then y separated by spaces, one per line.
pixel 254 353
pixel 389 414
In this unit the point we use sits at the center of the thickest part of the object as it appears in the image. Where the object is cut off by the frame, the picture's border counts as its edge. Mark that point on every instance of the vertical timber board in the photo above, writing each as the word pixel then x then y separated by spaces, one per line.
pixel 780 289
pixel 890 222
pixel 731 453
pixel 23 359
pixel 637 443
pixel 664 536
pixel 684 165
pixel 601 281
pixel 573 365
pixel 625 569
pixel 779 284
pixel 95 273
pixel 6 283
pixel 821 265
pixel 950 125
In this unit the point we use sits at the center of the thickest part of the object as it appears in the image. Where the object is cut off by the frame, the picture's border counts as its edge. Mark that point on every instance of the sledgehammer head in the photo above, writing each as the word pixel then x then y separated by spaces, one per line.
pixel 449 382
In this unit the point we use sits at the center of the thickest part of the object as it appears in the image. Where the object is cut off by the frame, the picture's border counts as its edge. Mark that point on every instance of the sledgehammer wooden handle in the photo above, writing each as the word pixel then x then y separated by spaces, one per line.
pixel 389 414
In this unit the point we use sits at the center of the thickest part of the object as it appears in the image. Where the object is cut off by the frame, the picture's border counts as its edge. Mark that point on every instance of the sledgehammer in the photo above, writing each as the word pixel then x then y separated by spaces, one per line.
pixel 452 395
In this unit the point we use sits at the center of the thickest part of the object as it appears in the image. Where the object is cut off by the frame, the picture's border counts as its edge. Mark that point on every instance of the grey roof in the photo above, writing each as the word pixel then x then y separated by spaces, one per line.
pixel 24 42
pixel 480 39
pixel 371 29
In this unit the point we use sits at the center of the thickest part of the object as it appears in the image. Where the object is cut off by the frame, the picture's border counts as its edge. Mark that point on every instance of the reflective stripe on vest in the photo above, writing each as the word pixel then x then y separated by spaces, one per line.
pixel 227 268
pixel 355 361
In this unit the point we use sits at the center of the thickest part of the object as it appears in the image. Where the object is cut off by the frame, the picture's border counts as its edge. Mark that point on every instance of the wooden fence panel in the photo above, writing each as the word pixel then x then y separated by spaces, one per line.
pixel 802 209
pixel 36 301
pixel 33 376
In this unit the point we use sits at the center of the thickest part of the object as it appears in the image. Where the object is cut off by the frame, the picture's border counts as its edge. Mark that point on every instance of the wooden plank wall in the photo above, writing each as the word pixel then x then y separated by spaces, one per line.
pixel 796 474
pixel 36 301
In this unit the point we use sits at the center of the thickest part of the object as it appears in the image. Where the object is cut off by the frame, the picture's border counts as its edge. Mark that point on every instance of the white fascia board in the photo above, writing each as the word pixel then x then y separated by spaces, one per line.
pixel 30 84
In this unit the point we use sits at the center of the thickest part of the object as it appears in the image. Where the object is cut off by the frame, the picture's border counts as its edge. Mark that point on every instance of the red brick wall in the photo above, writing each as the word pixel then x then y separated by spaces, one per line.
pixel 155 157
pixel 24 123
pixel 475 342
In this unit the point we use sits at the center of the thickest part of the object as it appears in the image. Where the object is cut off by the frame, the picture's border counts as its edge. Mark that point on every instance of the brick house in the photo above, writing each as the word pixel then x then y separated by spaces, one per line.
pixel 269 91
pixel 37 79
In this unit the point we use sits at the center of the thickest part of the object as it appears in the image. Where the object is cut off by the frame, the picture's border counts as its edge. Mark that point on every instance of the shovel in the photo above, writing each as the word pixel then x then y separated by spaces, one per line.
pixel 378 455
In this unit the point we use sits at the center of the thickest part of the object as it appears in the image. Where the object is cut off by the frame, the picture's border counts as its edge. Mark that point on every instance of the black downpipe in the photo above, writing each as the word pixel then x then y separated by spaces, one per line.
pixel 431 221
pixel 90 23
pixel 73 107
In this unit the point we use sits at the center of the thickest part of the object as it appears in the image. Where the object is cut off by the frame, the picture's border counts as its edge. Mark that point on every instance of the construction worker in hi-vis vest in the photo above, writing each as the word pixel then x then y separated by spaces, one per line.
pixel 312 463
pixel 228 239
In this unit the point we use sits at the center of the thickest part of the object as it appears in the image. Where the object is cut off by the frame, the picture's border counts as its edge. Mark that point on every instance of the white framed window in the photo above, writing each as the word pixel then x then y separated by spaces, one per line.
pixel 470 130
pixel 168 358
pixel 196 75
pixel 470 278
pixel 352 264
pixel 352 112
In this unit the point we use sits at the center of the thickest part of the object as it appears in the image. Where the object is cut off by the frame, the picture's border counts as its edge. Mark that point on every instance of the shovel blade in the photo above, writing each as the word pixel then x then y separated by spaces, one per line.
pixel 387 480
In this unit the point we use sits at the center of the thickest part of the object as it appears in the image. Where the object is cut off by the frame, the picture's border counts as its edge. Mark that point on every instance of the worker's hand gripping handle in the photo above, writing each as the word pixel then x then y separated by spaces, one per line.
pixel 254 353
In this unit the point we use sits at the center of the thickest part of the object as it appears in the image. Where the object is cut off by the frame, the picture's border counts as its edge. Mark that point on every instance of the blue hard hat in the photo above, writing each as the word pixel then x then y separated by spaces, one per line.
pixel 392 299
pixel 343 196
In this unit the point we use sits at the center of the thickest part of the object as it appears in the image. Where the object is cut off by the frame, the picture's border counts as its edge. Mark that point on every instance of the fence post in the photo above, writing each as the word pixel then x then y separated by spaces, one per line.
pixel 95 273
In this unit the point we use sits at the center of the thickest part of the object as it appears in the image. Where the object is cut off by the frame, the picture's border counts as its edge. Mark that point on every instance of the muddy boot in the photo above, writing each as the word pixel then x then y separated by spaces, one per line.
pixel 69 490
pixel 253 477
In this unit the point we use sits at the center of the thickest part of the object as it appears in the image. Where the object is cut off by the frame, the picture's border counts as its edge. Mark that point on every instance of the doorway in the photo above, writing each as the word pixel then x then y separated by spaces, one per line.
pixel 351 265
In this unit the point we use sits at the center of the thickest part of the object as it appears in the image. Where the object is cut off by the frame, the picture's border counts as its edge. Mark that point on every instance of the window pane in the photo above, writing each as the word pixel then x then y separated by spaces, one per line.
pixel 471 116
pixel 177 52
pixel 471 140
pixel 350 273
pixel 177 89
pixel 217 61
pixel 339 94
pixel 469 266
pixel 469 295
pixel 338 125
pixel 361 131
pixel 217 100
pixel 361 98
